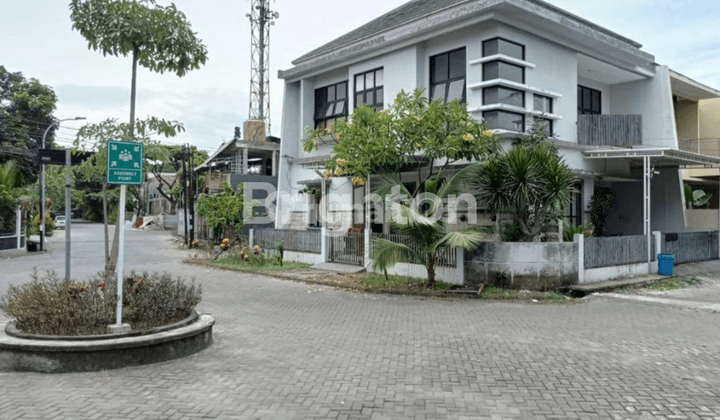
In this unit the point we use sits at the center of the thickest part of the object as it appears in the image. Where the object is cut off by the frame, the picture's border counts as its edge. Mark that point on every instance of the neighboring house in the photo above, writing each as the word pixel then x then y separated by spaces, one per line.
pixel 157 203
pixel 252 161
pixel 701 134
pixel 613 111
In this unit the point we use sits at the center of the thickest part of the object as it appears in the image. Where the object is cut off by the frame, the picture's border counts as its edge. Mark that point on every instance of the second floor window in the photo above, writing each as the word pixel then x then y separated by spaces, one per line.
pixel 501 70
pixel 589 101
pixel 369 89
pixel 505 47
pixel 447 75
pixel 504 120
pixel 330 105
pixel 544 104
pixel 502 95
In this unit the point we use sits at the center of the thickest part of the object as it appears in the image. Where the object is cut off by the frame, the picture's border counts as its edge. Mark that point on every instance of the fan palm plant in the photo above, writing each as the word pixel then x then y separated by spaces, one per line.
pixel 421 223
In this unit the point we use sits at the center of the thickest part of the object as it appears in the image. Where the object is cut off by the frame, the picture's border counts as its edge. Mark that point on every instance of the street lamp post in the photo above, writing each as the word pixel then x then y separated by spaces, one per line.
pixel 42 182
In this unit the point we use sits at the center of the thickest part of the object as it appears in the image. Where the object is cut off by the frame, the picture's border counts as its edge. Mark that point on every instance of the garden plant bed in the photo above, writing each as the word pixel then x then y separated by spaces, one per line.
pixel 397 285
pixel 36 353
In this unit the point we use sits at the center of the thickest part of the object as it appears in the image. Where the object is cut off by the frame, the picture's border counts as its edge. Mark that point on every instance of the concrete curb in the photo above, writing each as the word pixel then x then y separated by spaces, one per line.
pixel 700 306
pixel 56 356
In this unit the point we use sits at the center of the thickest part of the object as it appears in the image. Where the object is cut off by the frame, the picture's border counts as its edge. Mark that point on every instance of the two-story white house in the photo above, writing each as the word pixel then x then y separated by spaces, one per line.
pixel 610 106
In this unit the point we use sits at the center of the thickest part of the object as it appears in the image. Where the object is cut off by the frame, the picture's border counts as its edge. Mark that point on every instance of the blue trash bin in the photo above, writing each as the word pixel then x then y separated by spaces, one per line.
pixel 665 264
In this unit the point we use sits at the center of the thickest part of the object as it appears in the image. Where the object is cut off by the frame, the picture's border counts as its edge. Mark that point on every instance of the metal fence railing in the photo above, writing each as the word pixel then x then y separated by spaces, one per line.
pixel 293 240
pixel 446 258
pixel 691 246
pixel 617 250
pixel 348 248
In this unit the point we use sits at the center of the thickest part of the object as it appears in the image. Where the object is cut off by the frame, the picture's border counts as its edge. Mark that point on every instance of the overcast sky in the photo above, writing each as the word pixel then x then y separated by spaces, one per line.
pixel 36 38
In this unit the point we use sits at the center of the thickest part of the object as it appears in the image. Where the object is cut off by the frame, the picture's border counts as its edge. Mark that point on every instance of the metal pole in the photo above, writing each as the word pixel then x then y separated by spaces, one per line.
pixel 185 204
pixel 68 212
pixel 121 253
pixel 648 230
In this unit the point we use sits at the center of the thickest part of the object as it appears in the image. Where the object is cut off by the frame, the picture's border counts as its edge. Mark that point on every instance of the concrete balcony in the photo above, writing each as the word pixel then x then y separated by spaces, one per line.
pixel 610 130
pixel 708 147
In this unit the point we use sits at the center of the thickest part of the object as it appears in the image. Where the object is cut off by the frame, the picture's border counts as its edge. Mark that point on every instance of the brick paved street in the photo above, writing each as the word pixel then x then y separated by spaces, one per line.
pixel 287 350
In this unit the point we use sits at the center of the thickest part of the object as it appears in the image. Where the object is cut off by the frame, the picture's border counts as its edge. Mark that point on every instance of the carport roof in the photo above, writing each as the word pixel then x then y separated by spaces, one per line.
pixel 660 157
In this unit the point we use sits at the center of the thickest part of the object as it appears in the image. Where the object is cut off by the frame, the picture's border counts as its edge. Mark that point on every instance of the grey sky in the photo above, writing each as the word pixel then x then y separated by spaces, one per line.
pixel 36 38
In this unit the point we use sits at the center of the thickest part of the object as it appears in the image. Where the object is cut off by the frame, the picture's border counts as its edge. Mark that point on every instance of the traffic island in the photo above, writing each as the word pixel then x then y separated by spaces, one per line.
pixel 21 351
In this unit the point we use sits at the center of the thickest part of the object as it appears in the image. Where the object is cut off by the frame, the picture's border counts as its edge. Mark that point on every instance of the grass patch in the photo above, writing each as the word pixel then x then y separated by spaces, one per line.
pixel 268 265
pixel 672 284
pixel 378 281
pixel 498 293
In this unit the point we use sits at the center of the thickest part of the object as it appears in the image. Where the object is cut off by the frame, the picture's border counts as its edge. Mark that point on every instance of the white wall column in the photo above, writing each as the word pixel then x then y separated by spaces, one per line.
pixel 657 237
pixel 579 239
pixel 251 238
pixel 245 161
pixel 460 266
pixel 18 227
pixel 275 163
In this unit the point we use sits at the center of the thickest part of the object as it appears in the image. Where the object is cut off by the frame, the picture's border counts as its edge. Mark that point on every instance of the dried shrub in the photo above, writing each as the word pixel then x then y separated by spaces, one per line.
pixel 51 306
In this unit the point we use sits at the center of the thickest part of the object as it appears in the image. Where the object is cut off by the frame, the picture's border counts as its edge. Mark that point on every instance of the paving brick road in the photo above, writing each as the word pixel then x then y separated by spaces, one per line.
pixel 286 350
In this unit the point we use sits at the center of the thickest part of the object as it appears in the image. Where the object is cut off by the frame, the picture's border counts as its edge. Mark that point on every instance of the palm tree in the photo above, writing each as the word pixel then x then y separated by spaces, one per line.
pixel 428 237
pixel 8 183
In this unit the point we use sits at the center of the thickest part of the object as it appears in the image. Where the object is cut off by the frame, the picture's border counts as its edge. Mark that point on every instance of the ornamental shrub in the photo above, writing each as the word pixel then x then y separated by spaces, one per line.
pixel 52 306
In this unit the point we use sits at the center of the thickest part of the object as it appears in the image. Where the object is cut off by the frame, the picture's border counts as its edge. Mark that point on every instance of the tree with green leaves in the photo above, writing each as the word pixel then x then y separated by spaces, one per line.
pixel 26 111
pixel 225 212
pixel 93 170
pixel 531 182
pixel 158 38
pixel 428 236
pixel 414 134
pixel 167 159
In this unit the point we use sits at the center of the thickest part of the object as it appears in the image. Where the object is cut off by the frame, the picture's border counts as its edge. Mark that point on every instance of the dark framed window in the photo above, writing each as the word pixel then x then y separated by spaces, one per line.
pixel 504 120
pixel 589 101
pixel 369 89
pixel 503 95
pixel 505 47
pixel 546 124
pixel 574 212
pixel 330 105
pixel 501 70
pixel 543 104
pixel 447 75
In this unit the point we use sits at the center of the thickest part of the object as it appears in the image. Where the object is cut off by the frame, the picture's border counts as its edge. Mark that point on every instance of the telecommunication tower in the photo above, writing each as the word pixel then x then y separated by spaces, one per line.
pixel 261 18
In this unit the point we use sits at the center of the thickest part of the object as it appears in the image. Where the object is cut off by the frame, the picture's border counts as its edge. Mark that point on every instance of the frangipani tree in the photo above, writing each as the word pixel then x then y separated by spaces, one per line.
pixel 413 134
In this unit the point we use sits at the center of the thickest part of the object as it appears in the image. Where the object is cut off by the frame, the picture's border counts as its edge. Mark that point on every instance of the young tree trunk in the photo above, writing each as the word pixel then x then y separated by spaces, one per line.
pixel 105 222
pixel 112 263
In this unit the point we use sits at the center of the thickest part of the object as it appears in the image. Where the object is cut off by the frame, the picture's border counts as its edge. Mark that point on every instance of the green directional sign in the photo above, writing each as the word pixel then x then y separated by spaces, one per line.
pixel 125 163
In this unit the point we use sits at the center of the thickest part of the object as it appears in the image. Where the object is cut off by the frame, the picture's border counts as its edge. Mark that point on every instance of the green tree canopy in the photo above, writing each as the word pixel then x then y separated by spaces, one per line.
pixel 412 135
pixel 531 181
pixel 26 111
pixel 161 38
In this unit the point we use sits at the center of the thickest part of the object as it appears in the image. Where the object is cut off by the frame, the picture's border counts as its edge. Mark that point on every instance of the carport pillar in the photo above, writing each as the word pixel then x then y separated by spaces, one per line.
pixel 658 250
pixel 647 174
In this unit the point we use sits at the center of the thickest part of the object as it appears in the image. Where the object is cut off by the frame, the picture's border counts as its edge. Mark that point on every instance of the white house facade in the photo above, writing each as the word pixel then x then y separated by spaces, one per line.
pixel 512 62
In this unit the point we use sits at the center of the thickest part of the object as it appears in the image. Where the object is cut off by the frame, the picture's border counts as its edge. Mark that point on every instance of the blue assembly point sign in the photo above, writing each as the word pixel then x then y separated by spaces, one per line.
pixel 125 163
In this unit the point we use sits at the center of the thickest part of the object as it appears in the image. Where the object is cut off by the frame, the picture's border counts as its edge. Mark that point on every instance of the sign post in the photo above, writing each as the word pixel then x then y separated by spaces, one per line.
pixel 124 167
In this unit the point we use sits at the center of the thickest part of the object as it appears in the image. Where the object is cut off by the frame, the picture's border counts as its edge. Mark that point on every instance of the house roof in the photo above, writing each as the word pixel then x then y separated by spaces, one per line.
pixel 688 88
pixel 417 9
